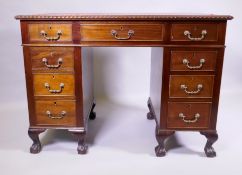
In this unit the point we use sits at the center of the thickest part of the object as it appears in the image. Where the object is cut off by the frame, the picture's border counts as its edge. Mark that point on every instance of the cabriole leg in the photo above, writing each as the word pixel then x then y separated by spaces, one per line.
pixel 81 136
pixel 212 137
pixel 34 135
pixel 161 137
pixel 150 115
pixel 92 115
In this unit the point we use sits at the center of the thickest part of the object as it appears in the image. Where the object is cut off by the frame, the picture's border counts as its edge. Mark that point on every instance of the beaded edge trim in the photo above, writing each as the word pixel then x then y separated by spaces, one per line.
pixel 123 17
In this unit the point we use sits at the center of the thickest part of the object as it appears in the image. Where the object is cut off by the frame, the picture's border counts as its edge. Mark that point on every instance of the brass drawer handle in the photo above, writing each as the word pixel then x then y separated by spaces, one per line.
pixel 60 116
pixel 51 38
pixel 115 34
pixel 199 88
pixel 47 86
pixel 59 62
pixel 186 62
pixel 189 35
pixel 196 117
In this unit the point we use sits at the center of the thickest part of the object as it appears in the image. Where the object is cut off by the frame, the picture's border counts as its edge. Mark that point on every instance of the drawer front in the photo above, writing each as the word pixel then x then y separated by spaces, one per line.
pixel 193 60
pixel 188 115
pixel 50 32
pixel 122 32
pixel 191 86
pixel 194 32
pixel 52 59
pixel 50 112
pixel 54 85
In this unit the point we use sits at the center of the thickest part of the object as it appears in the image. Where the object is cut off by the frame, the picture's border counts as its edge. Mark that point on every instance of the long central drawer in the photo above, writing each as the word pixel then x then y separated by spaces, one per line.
pixel 121 32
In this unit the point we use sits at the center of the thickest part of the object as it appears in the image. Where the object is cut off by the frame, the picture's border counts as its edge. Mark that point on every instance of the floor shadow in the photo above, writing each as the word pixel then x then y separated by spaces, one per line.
pixel 104 117
pixel 173 145
pixel 52 136
pixel 94 129
pixel 116 130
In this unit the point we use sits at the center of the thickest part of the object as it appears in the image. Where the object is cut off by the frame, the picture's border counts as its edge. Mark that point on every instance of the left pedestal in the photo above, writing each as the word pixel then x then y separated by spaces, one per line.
pixel 58 79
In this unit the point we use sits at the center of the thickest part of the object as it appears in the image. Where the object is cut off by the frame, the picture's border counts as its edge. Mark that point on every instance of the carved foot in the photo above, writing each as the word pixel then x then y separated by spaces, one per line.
pixel 212 137
pixel 150 115
pixel 161 137
pixel 160 151
pixel 81 136
pixel 92 115
pixel 82 148
pixel 34 135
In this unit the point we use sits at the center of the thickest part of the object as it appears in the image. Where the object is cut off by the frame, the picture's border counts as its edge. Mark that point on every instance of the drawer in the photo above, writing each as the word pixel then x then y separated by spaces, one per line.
pixel 50 32
pixel 191 86
pixel 59 112
pixel 54 85
pixel 193 60
pixel 121 32
pixel 197 32
pixel 183 115
pixel 52 59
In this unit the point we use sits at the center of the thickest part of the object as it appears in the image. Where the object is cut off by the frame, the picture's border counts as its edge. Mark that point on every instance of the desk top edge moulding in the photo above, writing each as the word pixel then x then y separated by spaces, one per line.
pixel 186 69
pixel 83 16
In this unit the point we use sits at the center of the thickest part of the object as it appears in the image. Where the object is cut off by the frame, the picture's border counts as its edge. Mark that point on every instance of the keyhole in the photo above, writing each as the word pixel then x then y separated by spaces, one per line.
pixel 190 106
pixel 50 27
pixel 55 103
pixel 53 77
pixel 188 109
pixel 121 28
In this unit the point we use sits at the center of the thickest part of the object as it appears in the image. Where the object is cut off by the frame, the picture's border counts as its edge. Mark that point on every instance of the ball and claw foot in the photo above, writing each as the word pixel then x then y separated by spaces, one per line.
pixel 210 152
pixel 161 137
pixel 81 136
pixel 92 115
pixel 34 135
pixel 150 116
pixel 212 137
pixel 82 149
pixel 35 148
pixel 160 151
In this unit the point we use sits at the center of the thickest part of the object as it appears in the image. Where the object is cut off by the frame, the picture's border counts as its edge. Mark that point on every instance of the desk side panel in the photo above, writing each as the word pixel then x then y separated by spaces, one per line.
pixel 87 81
pixel 156 80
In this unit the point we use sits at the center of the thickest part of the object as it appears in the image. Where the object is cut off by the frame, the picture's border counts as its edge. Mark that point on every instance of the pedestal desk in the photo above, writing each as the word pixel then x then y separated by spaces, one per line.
pixel 186 68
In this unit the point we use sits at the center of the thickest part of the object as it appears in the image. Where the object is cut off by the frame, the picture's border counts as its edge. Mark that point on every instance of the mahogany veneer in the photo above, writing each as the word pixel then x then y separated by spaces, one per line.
pixel 186 69
pixel 63 57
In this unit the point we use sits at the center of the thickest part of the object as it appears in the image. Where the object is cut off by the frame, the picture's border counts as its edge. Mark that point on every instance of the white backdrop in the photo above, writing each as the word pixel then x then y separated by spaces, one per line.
pixel 121 76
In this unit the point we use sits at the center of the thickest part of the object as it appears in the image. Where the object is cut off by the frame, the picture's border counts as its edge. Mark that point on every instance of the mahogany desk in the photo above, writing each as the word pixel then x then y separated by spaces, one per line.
pixel 186 68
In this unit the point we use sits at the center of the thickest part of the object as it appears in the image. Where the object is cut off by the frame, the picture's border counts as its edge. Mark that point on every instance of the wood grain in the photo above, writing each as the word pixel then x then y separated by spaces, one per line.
pixel 191 82
pixel 52 54
pixel 102 32
pixel 177 31
pixel 168 71
pixel 54 80
pixel 189 110
pixel 55 107
pixel 51 28
pixel 194 58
